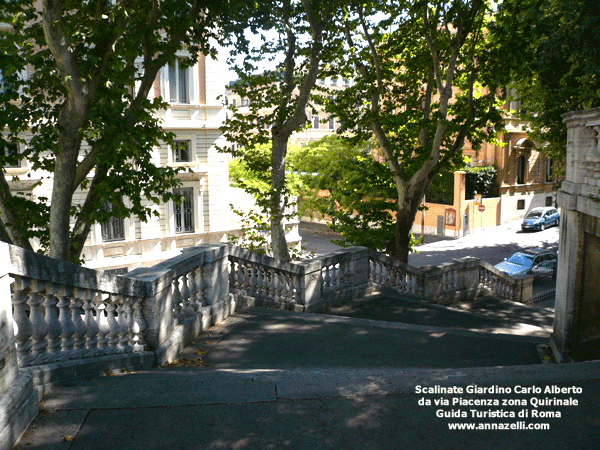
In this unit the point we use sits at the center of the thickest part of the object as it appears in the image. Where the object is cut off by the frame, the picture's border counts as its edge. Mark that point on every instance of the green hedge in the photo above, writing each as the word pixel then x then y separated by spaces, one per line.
pixel 478 180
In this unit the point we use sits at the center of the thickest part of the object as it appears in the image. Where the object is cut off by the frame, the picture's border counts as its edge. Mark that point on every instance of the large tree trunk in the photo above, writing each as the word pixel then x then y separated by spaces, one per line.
pixel 278 241
pixel 62 192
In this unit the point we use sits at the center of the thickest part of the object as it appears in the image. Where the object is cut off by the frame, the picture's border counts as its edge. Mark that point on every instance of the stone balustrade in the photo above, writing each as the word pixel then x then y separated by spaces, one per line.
pixel 301 286
pixel 60 321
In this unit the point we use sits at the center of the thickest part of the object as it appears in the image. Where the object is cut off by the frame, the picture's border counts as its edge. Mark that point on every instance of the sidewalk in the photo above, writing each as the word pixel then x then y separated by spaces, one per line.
pixel 280 380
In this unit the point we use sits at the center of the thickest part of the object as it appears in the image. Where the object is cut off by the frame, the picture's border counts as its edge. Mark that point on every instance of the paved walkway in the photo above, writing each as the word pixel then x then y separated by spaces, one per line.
pixel 280 380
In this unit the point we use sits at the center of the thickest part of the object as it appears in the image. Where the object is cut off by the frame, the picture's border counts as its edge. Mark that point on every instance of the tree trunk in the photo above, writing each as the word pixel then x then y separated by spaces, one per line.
pixel 278 241
pixel 62 195
pixel 407 207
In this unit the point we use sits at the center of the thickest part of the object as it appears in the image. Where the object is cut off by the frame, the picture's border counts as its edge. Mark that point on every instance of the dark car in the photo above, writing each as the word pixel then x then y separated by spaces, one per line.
pixel 540 219
pixel 526 262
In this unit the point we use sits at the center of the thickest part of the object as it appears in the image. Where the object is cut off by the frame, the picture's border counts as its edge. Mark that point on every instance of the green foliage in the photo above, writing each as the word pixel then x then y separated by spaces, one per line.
pixel 251 170
pixel 441 189
pixel 480 180
pixel 550 49
pixel 342 180
pixel 91 66
pixel 254 234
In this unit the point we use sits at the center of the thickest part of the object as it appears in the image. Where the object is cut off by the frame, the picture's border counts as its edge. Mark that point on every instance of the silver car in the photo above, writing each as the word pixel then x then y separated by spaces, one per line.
pixel 526 262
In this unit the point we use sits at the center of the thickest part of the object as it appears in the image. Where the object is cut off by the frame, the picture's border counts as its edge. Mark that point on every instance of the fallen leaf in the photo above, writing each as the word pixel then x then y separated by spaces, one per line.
pixel 69 438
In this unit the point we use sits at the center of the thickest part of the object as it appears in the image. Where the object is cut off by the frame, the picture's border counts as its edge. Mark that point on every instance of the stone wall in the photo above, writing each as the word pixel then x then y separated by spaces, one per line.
pixel 577 323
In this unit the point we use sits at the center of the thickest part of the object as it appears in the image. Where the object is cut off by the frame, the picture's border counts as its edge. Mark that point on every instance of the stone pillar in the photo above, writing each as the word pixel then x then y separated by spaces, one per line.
pixel 459 199
pixel 577 312
pixel 8 351
pixel 18 398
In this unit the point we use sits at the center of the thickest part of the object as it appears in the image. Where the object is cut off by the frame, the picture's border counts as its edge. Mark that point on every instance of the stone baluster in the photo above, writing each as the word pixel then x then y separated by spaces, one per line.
pixel 131 338
pixel 24 330
pixel 123 318
pixel 139 325
pixel 80 329
pixel 91 324
pixel 67 326
pixel 186 300
pixel 279 286
pixel 113 325
pixel 195 302
pixel 297 287
pixel 39 326
pixel 202 286
pixel 262 280
pixel 100 306
pixel 54 329
pixel 326 279
pixel 253 280
pixel 232 269
pixel 177 306
pixel 287 289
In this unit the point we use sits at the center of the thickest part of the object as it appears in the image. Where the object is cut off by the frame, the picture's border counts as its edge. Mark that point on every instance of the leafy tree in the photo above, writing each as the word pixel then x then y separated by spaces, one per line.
pixel 418 77
pixel 91 67
pixel 550 48
pixel 279 97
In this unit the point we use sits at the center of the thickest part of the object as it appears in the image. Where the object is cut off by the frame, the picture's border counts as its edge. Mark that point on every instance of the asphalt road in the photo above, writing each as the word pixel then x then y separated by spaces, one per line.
pixel 491 245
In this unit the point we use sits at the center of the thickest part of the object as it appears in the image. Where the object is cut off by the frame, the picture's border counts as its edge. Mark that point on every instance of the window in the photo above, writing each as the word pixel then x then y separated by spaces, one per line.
pixel 245 102
pixel 521 170
pixel 346 82
pixel 549 169
pixel 178 83
pixel 181 151
pixel 234 102
pixel 114 228
pixel 184 211
pixel 334 81
pixel 520 204
pixel 331 124
pixel 315 122
pixel 549 201
pixel 9 154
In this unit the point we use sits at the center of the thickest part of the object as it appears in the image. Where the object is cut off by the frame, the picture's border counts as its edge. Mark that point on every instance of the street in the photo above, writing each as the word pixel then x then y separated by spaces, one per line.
pixel 491 245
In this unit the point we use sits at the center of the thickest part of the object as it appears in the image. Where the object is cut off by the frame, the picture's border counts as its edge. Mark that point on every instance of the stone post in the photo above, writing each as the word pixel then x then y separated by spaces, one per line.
pixel 310 284
pixel 216 276
pixel 18 399
pixel 8 350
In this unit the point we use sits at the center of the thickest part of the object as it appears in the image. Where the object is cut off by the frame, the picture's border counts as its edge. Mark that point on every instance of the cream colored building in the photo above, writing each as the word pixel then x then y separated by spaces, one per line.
pixel 195 113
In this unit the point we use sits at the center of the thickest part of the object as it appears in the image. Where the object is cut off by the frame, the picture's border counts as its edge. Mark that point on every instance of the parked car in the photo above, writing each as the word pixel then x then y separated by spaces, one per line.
pixel 526 262
pixel 540 219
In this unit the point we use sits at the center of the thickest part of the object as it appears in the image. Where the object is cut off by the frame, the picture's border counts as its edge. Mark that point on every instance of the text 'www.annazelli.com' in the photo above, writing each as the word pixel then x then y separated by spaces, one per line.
pixel 520 425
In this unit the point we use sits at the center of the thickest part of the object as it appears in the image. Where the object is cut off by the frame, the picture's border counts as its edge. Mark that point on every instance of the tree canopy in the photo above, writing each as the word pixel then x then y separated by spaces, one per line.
pixel 551 50
pixel 424 84
pixel 76 76
pixel 305 37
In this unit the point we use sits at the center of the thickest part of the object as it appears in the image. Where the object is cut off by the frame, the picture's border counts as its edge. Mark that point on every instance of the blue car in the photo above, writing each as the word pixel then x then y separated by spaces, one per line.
pixel 526 262
pixel 540 219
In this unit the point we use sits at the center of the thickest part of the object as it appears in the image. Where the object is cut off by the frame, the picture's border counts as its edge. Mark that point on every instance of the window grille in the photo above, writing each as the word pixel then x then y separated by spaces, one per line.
pixel 114 228
pixel 184 211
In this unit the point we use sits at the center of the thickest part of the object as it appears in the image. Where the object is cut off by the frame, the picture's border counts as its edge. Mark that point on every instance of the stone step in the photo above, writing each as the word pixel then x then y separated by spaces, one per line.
pixel 487 314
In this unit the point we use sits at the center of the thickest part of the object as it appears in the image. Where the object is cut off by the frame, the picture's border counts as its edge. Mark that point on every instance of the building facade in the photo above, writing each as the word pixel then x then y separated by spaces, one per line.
pixel 195 113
